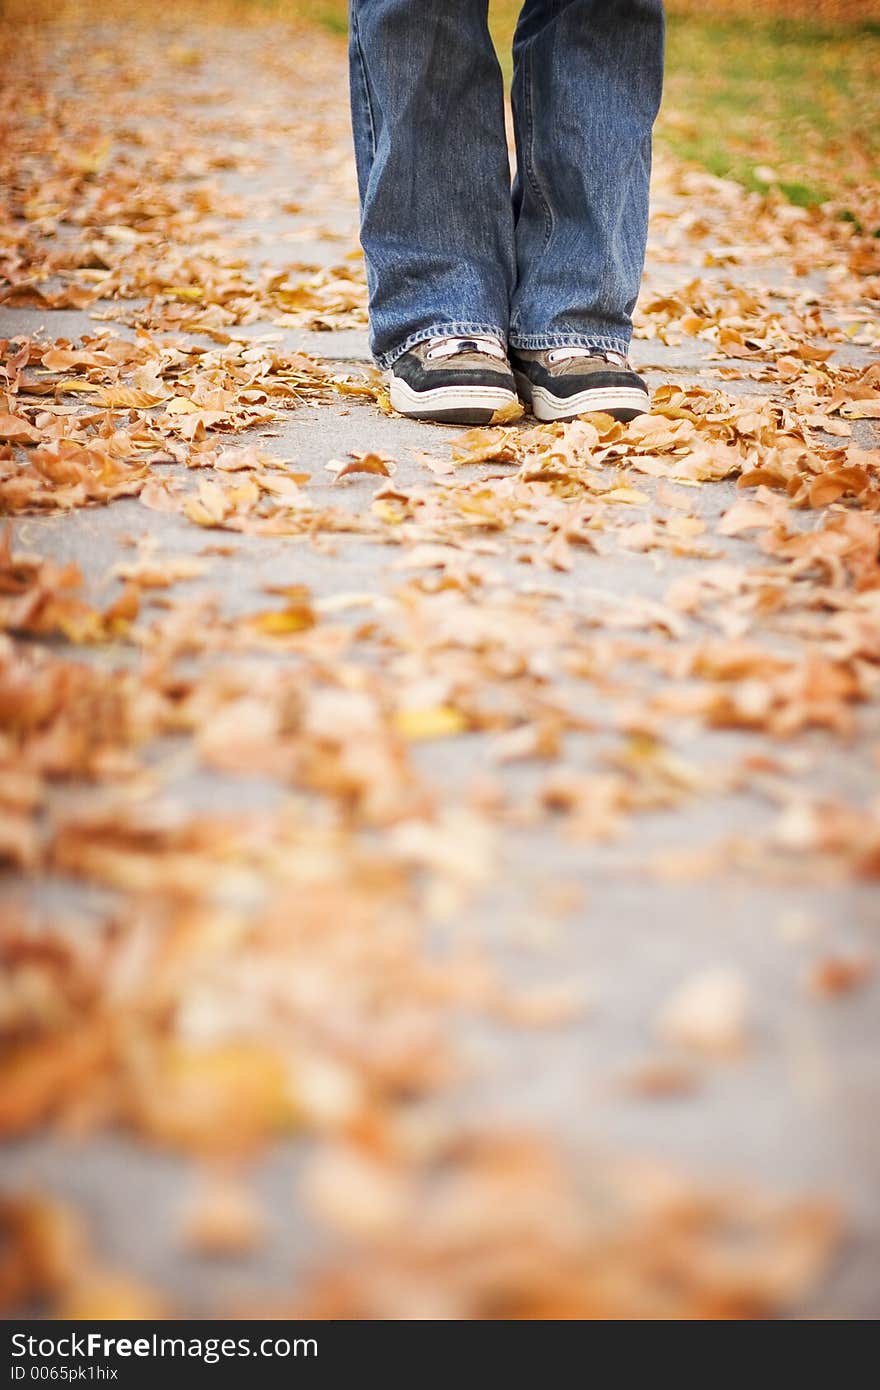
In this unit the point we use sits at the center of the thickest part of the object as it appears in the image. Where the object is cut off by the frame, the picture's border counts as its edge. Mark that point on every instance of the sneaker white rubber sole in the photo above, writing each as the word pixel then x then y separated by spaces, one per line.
pixel 623 402
pixel 459 405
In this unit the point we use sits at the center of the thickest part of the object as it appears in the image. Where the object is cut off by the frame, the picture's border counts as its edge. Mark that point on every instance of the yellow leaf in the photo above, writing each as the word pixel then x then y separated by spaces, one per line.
pixel 228 1096
pixel 280 623
pixel 98 1294
pixel 126 398
pixel 210 508
pixel 91 161
pixel 437 722
pixel 193 292
pixel 630 495
pixel 183 56
pixel 71 386
pixel 506 413
pixel 388 512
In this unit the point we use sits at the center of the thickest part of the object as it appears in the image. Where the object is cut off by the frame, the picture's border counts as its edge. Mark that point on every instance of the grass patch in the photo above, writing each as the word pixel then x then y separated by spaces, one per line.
pixel 332 19
pixel 771 102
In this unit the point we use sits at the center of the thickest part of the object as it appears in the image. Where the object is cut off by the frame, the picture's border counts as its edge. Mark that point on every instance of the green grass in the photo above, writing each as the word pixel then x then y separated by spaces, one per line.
pixel 775 102
pixel 332 18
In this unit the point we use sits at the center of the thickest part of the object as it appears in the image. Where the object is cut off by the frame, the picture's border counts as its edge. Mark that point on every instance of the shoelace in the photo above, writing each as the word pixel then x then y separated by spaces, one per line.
pixel 565 354
pixel 450 347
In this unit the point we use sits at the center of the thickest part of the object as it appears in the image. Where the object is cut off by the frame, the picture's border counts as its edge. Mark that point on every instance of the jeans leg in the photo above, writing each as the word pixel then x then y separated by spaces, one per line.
pixel 588 75
pixel 433 172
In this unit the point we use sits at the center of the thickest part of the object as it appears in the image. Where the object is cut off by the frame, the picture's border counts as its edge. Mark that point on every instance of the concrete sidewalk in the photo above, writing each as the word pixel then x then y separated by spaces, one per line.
pixel 793 1110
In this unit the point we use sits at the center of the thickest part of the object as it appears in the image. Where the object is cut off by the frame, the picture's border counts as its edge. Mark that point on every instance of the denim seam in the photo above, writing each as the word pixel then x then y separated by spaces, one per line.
pixel 438 330
pixel 362 63
pixel 531 175
pixel 540 342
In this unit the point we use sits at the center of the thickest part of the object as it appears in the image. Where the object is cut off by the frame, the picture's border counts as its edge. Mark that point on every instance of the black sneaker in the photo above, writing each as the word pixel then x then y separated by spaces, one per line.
pixel 464 381
pixel 560 383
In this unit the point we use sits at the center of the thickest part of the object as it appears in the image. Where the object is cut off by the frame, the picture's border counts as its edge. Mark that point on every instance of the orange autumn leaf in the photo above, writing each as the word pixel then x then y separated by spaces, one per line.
pixel 15 430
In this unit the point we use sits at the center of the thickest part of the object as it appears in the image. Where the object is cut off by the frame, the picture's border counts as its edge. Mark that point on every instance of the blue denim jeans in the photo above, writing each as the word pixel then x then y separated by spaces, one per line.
pixel 450 247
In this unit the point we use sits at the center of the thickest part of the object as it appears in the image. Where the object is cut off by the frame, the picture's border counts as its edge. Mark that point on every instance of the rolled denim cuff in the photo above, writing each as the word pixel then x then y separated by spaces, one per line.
pixel 460 329
pixel 595 342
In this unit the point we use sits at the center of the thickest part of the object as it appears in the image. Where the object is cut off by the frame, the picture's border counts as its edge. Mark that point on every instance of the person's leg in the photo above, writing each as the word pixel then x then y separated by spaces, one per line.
pixel 587 82
pixel 433 174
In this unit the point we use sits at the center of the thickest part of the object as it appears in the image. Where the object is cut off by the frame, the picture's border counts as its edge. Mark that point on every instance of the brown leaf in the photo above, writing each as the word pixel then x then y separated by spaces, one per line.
pixel 15 430
pixel 838 974
pixel 364 463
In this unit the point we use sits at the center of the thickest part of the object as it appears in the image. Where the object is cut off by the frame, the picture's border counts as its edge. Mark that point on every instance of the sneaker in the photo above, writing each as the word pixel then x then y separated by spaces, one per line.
pixel 464 381
pixel 560 383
